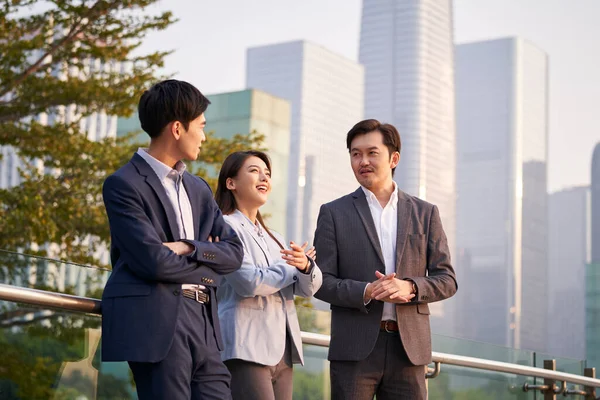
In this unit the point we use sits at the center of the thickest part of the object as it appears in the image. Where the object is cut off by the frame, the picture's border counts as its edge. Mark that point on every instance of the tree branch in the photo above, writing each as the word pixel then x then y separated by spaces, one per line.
pixel 74 31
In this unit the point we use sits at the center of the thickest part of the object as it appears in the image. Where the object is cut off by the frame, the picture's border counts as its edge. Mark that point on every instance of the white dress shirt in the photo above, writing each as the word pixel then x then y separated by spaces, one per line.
pixel 386 225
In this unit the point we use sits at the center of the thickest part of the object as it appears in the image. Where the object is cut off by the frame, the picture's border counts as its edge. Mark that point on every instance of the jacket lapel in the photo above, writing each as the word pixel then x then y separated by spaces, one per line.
pixel 247 225
pixel 146 170
pixel 362 207
pixel 404 218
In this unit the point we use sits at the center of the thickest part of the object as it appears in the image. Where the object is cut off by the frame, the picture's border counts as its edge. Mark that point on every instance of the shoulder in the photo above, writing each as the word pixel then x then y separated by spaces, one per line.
pixel 342 202
pixel 416 202
pixel 123 177
pixel 197 181
pixel 234 221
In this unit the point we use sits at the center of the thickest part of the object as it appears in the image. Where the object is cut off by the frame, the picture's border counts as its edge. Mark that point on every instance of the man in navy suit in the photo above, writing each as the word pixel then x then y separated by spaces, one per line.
pixel 170 247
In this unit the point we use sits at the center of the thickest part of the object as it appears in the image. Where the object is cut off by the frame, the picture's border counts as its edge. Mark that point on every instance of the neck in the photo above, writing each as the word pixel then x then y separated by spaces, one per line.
pixel 250 212
pixel 383 193
pixel 162 152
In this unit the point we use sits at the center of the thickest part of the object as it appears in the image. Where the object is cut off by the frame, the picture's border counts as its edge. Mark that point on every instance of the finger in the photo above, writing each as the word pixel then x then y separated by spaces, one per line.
pixel 216 239
pixel 383 295
pixel 210 238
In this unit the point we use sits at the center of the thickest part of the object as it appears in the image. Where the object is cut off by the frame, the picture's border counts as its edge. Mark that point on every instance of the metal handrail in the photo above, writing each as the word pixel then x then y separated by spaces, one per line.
pixel 93 306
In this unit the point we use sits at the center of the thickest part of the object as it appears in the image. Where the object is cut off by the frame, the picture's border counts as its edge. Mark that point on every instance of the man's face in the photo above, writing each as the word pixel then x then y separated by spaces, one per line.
pixel 191 140
pixel 371 161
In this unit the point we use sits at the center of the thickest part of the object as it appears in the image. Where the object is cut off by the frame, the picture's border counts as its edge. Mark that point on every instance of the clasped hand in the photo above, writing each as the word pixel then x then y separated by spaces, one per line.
pixel 389 289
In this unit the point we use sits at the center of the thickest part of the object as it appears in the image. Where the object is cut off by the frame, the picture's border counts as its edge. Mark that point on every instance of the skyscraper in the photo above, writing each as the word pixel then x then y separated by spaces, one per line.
pixel 502 126
pixel 592 276
pixel 407 49
pixel 568 255
pixel 326 94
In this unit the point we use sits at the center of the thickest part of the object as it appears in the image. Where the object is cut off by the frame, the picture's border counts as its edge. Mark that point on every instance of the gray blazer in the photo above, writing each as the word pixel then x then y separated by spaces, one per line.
pixel 256 302
pixel 349 254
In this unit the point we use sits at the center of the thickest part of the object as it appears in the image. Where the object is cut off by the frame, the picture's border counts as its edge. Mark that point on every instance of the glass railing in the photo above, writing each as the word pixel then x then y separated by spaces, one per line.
pixel 52 354
pixel 55 354
pixel 49 274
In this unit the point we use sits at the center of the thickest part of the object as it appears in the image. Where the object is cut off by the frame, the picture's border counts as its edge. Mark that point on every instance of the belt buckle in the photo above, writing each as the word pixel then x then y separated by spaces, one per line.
pixel 385 326
pixel 197 297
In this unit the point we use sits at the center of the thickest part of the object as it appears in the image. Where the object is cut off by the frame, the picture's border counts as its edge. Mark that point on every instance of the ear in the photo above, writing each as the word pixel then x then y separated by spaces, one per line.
pixel 230 184
pixel 395 159
pixel 176 129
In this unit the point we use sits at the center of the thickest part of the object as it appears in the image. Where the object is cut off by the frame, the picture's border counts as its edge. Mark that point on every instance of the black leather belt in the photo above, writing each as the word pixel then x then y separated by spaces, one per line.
pixel 389 326
pixel 197 295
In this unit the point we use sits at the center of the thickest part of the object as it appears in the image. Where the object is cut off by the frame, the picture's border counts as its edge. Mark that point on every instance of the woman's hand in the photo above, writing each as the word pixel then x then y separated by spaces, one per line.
pixel 297 257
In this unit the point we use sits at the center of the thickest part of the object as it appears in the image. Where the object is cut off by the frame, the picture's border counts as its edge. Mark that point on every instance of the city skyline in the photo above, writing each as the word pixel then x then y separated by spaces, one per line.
pixel 217 66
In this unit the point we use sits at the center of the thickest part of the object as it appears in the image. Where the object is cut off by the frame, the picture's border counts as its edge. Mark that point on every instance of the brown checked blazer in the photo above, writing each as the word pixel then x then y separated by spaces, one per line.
pixel 349 253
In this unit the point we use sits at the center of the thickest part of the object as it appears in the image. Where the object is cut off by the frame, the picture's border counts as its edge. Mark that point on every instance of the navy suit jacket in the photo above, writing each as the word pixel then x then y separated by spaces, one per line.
pixel 141 300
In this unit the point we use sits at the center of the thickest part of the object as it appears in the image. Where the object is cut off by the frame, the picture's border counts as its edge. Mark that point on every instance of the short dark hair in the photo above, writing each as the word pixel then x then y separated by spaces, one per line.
pixel 230 168
pixel 391 137
pixel 170 101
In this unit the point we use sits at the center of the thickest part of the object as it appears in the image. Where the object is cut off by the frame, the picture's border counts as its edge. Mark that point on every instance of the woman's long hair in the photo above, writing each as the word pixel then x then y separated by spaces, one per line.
pixel 230 168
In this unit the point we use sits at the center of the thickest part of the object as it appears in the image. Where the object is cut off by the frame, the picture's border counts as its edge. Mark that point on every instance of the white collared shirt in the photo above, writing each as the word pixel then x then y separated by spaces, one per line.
pixel 386 225
pixel 171 180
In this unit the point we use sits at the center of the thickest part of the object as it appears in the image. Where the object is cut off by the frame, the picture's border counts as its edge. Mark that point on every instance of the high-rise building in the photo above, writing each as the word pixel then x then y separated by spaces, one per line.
pixel 592 276
pixel 407 49
pixel 502 136
pixel 326 94
pixel 568 254
pixel 254 110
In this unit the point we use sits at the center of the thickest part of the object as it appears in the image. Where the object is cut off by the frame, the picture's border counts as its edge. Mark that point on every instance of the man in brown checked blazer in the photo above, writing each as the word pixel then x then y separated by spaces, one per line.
pixel 384 257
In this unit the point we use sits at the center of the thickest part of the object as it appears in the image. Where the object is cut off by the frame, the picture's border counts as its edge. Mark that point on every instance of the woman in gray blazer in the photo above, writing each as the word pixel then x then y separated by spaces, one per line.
pixel 258 317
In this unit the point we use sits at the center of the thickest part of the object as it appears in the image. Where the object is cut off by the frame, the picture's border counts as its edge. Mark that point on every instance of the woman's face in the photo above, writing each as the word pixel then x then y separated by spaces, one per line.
pixel 252 185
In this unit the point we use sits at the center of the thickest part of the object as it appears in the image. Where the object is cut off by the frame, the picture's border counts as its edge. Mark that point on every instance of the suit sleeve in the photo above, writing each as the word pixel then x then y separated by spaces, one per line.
pixel 251 280
pixel 335 290
pixel 309 283
pixel 440 282
pixel 138 242
pixel 224 256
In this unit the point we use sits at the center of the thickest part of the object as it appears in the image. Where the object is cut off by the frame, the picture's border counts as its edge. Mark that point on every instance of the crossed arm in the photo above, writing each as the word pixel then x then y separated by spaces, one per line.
pixel 143 251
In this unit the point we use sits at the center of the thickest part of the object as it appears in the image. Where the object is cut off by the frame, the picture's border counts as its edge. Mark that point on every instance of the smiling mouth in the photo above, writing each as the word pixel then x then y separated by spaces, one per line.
pixel 262 189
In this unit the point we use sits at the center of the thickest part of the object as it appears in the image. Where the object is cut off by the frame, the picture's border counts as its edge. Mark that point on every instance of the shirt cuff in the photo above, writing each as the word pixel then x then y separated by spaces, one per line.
pixel 365 291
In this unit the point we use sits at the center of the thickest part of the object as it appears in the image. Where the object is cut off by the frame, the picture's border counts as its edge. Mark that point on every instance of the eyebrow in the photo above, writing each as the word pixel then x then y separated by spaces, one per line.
pixel 254 165
pixel 370 148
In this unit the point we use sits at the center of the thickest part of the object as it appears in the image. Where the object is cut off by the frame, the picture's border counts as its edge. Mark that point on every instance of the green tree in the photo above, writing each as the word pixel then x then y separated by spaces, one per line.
pixel 60 62
pixel 64 60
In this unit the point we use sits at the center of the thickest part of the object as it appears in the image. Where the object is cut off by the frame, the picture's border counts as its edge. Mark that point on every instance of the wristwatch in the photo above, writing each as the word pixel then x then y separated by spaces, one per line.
pixel 414 288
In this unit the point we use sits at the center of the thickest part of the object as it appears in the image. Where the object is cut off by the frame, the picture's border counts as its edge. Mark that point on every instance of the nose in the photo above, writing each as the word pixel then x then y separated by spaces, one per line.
pixel 202 137
pixel 364 161
pixel 264 177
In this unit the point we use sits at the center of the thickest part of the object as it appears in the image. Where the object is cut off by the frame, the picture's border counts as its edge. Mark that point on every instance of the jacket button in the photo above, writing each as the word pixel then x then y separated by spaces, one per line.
pixel 176 292
pixel 295 278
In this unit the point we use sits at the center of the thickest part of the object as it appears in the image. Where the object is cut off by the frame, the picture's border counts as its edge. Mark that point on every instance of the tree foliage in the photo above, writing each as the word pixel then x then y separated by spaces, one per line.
pixel 63 63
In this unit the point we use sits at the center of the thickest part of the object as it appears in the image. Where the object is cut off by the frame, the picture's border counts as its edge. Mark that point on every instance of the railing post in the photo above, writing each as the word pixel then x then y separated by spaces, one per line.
pixel 590 390
pixel 550 393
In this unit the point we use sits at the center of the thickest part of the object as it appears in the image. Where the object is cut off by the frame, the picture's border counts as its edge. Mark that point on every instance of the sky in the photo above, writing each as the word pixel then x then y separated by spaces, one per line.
pixel 211 37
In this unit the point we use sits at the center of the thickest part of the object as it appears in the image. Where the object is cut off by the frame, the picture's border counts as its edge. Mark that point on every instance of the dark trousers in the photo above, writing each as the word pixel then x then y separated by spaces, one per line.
pixel 386 372
pixel 192 368
pixel 252 381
